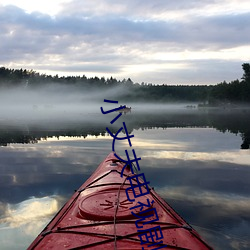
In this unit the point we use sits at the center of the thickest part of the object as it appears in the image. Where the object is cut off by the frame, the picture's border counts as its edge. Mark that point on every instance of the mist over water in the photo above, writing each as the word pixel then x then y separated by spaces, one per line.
pixel 191 156
pixel 60 102
pixel 53 102
pixel 61 107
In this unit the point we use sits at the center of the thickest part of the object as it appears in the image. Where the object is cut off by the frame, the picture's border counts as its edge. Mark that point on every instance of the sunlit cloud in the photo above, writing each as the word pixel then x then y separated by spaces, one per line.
pixel 46 6
pixel 224 54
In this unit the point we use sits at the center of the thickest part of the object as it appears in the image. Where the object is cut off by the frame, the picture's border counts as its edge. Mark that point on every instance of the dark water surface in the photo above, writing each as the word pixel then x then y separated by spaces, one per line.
pixel 193 158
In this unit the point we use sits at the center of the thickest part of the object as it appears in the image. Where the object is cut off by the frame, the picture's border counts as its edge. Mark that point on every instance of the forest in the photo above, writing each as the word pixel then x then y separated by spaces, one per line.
pixel 224 93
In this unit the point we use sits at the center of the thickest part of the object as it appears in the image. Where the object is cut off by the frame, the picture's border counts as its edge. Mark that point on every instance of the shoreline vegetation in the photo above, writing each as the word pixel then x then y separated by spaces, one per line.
pixel 222 95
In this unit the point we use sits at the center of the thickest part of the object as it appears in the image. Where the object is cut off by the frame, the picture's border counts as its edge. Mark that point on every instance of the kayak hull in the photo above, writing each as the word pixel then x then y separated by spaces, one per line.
pixel 99 215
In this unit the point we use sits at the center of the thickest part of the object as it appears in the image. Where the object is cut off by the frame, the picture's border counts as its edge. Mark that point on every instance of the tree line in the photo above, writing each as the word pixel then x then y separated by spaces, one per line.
pixel 236 91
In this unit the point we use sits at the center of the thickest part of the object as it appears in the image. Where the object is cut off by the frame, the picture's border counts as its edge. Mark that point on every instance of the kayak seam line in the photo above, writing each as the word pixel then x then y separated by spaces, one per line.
pixel 99 178
pixel 119 237
pixel 62 230
pixel 118 222
pixel 117 207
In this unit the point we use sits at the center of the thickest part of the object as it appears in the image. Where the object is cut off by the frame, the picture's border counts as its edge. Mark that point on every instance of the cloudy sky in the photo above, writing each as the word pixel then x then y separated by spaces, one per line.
pixel 157 41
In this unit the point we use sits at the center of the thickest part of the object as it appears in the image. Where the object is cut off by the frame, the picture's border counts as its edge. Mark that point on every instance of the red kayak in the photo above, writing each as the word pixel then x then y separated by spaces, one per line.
pixel 113 212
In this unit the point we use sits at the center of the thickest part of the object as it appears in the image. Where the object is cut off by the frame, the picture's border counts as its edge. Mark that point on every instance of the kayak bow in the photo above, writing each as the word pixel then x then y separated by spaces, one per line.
pixel 99 216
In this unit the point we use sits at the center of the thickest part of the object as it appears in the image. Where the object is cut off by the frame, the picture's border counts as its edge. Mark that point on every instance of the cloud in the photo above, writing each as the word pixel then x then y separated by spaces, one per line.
pixel 125 40
pixel 149 9
pixel 116 30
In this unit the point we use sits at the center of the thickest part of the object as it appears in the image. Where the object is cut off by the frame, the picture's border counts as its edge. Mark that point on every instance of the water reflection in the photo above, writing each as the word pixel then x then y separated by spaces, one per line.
pixel 19 222
pixel 193 161
pixel 233 121
pixel 29 210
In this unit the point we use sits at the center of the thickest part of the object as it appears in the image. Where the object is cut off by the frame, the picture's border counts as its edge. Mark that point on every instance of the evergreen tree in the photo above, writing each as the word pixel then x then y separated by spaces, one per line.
pixel 246 69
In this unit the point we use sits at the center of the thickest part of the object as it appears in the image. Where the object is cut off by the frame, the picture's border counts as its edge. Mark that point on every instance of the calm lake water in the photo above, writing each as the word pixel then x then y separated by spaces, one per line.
pixel 197 160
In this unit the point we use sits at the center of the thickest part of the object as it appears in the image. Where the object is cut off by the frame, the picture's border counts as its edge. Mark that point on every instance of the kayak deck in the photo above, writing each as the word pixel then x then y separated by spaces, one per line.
pixel 99 215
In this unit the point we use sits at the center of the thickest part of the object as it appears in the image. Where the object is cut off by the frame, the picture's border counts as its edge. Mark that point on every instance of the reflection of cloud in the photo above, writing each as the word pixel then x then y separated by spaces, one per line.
pixel 2 209
pixel 222 219
pixel 228 203
pixel 25 220
pixel 200 144
pixel 29 213
pixel 236 157
pixel 227 241
pixel 171 145
pixel 55 156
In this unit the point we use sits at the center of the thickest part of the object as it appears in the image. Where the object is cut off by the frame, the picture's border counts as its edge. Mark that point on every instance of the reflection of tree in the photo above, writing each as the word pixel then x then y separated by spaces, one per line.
pixel 16 137
pixel 20 135
pixel 246 141
pixel 232 121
